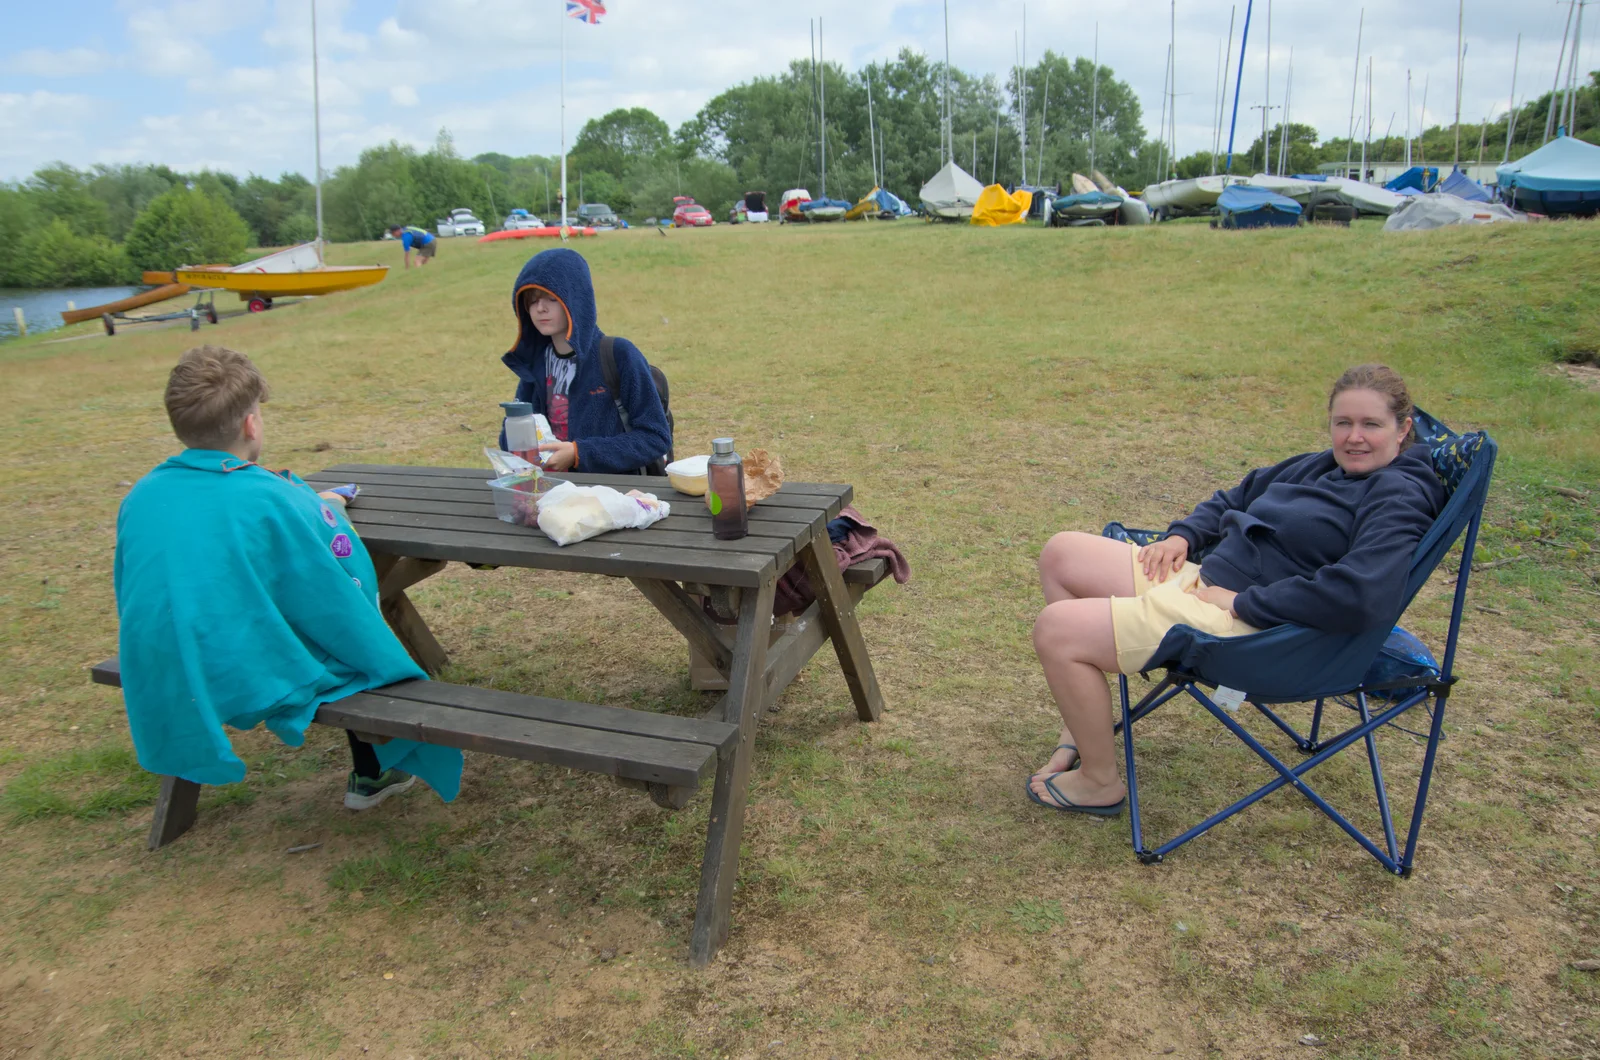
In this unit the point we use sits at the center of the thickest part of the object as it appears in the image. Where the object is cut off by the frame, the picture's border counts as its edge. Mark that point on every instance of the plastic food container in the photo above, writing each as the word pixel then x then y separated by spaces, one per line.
pixel 516 497
pixel 689 475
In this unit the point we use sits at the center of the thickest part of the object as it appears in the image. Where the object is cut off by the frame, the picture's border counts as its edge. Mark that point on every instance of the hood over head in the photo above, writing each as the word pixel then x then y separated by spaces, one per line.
pixel 565 275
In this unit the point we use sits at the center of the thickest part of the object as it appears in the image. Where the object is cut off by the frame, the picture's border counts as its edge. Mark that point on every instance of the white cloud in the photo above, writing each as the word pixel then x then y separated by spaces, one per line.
pixel 43 62
pixel 404 96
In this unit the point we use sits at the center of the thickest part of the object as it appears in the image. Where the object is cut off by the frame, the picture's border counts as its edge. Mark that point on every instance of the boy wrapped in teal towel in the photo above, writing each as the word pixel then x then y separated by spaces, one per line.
pixel 246 598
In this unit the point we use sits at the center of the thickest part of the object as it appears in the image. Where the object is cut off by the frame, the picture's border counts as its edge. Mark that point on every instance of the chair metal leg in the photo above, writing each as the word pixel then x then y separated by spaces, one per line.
pixel 1316 722
pixel 1133 778
pixel 1288 730
pixel 1434 732
pixel 1377 779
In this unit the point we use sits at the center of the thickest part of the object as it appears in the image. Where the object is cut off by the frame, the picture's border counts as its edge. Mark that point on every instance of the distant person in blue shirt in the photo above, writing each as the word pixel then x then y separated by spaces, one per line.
pixel 1321 540
pixel 412 238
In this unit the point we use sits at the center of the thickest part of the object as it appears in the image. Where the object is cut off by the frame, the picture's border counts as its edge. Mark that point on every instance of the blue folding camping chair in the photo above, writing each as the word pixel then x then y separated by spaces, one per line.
pixel 1295 665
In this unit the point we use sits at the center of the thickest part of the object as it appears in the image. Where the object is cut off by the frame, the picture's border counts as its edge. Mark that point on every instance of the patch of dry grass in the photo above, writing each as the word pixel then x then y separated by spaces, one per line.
pixel 981 390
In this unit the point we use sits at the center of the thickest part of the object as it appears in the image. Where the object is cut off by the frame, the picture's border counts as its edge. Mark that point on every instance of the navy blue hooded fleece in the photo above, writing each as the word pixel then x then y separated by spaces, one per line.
pixel 592 420
pixel 1304 543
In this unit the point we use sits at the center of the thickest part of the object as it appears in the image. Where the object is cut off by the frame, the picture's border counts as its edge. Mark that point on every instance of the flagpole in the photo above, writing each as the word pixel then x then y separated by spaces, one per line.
pixel 563 119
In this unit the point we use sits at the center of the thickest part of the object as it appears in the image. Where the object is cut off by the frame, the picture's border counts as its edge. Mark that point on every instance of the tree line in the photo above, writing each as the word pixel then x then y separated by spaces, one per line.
pixel 821 127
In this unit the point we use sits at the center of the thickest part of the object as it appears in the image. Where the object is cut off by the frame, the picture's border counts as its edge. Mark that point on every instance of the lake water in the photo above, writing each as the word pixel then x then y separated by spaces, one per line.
pixel 42 307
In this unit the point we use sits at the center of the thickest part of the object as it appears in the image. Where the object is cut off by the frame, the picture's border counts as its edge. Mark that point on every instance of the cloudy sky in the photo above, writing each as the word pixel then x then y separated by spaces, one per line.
pixel 226 84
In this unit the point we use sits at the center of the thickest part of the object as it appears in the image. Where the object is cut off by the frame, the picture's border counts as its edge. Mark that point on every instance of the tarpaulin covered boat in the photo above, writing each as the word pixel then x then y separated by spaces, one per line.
pixel 1088 206
pixel 950 194
pixel 1562 177
pixel 996 206
pixel 1249 206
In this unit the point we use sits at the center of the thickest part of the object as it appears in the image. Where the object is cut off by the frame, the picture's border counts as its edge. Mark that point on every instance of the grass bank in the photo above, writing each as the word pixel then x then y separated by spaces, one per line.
pixel 981 389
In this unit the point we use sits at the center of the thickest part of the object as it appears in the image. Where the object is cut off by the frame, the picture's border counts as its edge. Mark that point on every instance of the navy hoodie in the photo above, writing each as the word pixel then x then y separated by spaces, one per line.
pixel 1304 543
pixel 592 420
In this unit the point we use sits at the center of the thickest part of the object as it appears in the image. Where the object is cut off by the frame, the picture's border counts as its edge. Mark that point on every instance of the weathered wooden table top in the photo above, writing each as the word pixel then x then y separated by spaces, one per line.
pixel 449 514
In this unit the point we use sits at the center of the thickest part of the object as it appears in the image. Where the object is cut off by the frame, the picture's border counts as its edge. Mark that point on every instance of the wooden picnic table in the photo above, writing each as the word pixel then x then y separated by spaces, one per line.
pixel 416 520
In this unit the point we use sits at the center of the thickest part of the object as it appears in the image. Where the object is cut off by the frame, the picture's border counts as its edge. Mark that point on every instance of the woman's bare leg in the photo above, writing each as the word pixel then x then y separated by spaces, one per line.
pixel 1078 566
pixel 1077 649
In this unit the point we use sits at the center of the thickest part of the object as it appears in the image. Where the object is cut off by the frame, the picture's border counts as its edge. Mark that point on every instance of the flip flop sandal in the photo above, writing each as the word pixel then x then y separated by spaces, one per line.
pixel 1076 762
pixel 1066 805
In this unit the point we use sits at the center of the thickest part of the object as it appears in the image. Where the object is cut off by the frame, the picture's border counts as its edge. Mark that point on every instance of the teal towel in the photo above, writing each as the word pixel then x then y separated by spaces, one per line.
pixel 244 598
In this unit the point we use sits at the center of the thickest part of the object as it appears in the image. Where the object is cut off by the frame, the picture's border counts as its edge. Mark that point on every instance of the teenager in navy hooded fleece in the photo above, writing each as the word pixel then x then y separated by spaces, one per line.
pixel 1322 540
pixel 556 360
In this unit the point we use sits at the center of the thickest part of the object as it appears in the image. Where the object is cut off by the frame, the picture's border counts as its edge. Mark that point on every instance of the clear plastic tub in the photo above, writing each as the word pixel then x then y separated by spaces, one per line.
pixel 516 497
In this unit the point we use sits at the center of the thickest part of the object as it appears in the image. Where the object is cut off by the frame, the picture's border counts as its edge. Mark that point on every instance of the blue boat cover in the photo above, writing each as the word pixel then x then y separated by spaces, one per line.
pixel 817 204
pixel 890 203
pixel 1311 176
pixel 1463 187
pixel 1419 178
pixel 1564 164
pixel 1088 198
pixel 1248 198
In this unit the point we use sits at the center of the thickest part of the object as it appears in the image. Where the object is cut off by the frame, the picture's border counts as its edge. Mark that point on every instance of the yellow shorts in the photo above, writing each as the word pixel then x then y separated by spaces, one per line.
pixel 1139 622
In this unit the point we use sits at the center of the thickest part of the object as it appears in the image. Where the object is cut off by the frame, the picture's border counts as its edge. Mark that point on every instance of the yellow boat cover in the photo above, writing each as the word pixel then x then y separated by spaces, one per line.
pixel 997 207
pixel 867 205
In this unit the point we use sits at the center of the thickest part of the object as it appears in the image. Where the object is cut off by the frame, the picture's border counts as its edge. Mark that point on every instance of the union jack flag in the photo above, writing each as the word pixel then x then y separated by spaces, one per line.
pixel 586 11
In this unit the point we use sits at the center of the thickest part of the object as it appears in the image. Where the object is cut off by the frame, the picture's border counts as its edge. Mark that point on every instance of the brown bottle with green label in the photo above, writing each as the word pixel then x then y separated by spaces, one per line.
pixel 725 491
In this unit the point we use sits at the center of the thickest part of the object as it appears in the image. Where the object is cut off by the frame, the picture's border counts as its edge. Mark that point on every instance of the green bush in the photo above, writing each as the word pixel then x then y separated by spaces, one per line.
pixel 186 227
pixel 55 256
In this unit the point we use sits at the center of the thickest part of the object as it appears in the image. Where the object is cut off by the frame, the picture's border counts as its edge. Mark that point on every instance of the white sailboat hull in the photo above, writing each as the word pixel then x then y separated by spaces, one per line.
pixel 1192 195
pixel 1366 198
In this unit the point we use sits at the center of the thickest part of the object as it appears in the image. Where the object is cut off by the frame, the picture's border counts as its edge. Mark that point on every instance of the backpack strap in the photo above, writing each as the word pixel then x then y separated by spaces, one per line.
pixel 608 370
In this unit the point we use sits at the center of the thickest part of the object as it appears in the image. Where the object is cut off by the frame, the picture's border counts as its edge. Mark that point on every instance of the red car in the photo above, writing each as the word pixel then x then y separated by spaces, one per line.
pixel 690 214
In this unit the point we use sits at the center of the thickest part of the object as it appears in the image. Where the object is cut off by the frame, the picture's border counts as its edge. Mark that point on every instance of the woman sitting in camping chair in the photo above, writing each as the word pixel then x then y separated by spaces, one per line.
pixel 1321 540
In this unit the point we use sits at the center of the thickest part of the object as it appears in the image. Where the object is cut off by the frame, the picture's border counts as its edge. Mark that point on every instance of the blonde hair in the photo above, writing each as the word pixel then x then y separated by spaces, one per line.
pixel 1380 379
pixel 209 393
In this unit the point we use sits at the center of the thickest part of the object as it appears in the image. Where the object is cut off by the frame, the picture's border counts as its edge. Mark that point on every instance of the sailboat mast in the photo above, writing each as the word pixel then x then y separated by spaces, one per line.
pixel 1366 135
pixel 1161 151
pixel 1408 119
pixel 1222 104
pixel 1571 116
pixel 1172 111
pixel 1022 80
pixel 1266 126
pixel 1244 39
pixel 822 105
pixel 1283 138
pixel 872 141
pixel 1044 108
pixel 1461 8
pixel 1511 115
pixel 1555 82
pixel 1355 80
pixel 1216 108
pixel 947 135
pixel 316 111
pixel 1094 98
pixel 1422 126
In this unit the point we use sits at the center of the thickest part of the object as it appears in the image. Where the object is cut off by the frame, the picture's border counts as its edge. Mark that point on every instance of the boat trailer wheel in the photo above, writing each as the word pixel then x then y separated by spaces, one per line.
pixel 211 312
pixel 259 305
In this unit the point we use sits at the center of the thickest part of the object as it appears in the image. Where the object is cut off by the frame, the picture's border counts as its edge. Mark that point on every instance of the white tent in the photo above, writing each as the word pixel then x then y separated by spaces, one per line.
pixel 951 193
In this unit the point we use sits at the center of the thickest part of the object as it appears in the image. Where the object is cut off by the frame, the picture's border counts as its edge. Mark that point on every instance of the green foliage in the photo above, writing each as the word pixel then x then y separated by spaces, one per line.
pixel 186 227
pixel 56 256
pixel 279 213
pixel 95 782
pixel 60 191
pixel 18 217
pixel 127 190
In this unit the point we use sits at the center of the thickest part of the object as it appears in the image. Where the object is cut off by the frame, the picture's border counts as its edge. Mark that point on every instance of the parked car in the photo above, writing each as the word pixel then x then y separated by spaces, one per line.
pixel 596 215
pixel 461 222
pixel 752 208
pixel 687 213
pixel 519 219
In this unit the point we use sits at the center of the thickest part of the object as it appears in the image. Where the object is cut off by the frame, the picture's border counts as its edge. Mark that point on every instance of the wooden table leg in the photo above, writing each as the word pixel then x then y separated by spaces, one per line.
pixel 744 705
pixel 839 619
pixel 176 809
pixel 396 574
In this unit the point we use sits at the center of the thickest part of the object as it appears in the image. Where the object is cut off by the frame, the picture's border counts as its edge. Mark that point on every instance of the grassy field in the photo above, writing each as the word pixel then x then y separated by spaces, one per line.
pixel 981 389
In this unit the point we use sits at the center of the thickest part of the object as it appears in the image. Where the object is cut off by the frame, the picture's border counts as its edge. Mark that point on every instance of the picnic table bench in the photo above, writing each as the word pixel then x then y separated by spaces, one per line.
pixel 416 520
